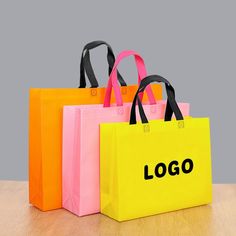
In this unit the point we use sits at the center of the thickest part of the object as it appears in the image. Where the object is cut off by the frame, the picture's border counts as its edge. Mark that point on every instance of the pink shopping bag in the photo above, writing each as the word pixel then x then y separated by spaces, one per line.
pixel 81 191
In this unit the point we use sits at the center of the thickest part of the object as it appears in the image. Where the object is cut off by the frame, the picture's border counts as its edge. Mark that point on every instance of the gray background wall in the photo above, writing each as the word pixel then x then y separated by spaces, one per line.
pixel 192 43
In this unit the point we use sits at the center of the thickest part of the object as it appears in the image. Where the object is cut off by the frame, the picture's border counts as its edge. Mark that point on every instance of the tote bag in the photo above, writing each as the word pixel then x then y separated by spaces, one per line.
pixel 81 191
pixel 154 166
pixel 45 129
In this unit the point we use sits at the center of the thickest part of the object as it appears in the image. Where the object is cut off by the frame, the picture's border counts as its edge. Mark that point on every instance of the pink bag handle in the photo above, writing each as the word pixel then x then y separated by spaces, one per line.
pixel 113 81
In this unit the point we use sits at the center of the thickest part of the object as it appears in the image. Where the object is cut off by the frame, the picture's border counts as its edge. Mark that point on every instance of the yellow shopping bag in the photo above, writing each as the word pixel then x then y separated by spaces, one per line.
pixel 154 166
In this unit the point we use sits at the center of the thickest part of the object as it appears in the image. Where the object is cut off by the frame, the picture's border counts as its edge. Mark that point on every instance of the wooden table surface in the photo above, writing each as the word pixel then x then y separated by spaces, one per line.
pixel 17 217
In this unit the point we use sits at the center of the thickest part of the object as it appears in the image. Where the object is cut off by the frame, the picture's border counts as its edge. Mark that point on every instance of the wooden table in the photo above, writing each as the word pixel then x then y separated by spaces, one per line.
pixel 17 217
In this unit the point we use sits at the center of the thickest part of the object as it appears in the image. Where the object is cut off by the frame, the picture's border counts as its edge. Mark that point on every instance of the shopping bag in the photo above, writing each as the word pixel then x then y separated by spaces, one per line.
pixel 81 191
pixel 155 166
pixel 45 129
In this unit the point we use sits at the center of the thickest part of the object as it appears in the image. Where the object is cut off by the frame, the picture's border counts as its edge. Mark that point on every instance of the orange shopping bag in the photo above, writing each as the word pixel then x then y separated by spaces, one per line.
pixel 45 128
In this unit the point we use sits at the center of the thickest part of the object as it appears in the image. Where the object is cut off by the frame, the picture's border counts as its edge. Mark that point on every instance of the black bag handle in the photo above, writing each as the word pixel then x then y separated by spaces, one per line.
pixel 85 64
pixel 171 107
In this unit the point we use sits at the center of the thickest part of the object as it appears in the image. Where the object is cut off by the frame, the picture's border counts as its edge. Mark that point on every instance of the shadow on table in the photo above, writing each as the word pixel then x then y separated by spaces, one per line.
pixel 62 222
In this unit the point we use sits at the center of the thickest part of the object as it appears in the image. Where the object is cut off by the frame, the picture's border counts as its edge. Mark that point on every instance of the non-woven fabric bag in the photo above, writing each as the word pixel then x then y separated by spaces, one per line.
pixel 81 188
pixel 155 166
pixel 45 128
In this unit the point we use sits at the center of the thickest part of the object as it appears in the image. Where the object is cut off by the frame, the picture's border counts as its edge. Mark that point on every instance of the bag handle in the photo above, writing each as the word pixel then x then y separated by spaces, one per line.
pixel 85 64
pixel 171 107
pixel 112 82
